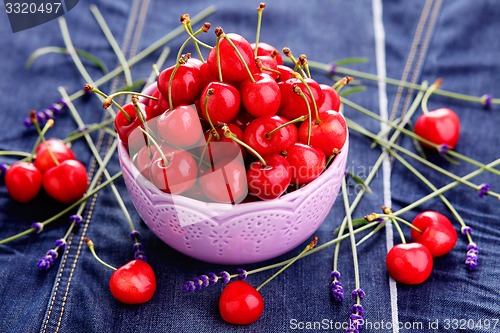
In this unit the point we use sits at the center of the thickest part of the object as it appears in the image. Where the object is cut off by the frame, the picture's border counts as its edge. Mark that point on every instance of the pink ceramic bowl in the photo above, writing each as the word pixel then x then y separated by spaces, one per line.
pixel 234 234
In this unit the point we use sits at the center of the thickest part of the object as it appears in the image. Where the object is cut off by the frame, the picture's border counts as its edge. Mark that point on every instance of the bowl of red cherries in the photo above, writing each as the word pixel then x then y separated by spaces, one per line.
pixel 234 159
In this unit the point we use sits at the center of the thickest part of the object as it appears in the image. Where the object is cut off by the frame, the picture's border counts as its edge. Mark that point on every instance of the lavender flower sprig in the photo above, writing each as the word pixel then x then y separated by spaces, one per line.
pixel 336 287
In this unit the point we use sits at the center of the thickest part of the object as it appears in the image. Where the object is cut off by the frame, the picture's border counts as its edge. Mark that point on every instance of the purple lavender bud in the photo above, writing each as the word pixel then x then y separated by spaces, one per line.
pixel 52 253
pixel 333 70
pixel 49 114
pixel 188 287
pixel 242 274
pixel 37 226
pixel 27 122
pixel 358 292
pixel 136 247
pixel 135 235
pixel 483 191
pixel 487 101
pixel 471 258
pixel 213 278
pixel 358 309
pixel 225 277
pixel 198 283
pixel 60 243
pixel 466 230
pixel 337 291
pixel 205 280
pixel 443 149
pixel 44 263
pixel 140 255
pixel 77 219
pixel 335 275
pixel 3 169
pixel 62 103
pixel 41 117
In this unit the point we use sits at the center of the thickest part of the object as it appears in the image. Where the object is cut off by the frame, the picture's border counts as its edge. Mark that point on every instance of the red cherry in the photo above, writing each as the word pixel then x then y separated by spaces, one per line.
pixel 23 181
pixel 144 158
pixel 180 127
pixel 438 235
pixel 59 150
pixel 286 73
pixel 267 65
pixel 224 181
pixel 124 127
pixel 224 103
pixel 178 175
pixel 66 182
pixel 265 49
pixel 226 150
pixel 271 181
pixel 292 105
pixel 441 126
pixel 186 84
pixel 331 98
pixel 242 119
pixel 262 97
pixel 256 135
pixel 233 69
pixel 133 283
pixel 409 263
pixel 330 134
pixel 306 163
pixel 240 303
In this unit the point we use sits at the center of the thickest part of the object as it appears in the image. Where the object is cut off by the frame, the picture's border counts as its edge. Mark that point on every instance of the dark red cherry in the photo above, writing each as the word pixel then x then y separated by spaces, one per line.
pixel 438 235
pixel 124 127
pixel 270 181
pixel 306 163
pixel 409 263
pixel 286 73
pixel 66 182
pixel 186 84
pixel 133 283
pixel 267 65
pixel 293 105
pixel 257 136
pixel 223 104
pixel 23 181
pixel 240 303
pixel 329 135
pixel 261 97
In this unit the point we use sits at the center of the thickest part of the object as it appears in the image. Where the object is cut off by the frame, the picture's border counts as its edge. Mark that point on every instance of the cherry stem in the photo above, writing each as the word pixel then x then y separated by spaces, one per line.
pixel 153 141
pixel 342 83
pixel 217 52
pixel 133 93
pixel 309 90
pixel 297 90
pixel 15 153
pixel 288 53
pixel 192 36
pixel 210 93
pixel 303 63
pixel 429 92
pixel 41 137
pixel 402 221
pixel 293 121
pixel 260 9
pixel 238 53
pixel 107 101
pixel 308 248
pixel 90 245
pixel 371 233
pixel 205 148
pixel 230 135
pixel 180 61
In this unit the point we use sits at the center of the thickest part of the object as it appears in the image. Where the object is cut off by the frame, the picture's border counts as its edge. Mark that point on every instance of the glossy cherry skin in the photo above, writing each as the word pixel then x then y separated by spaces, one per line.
pixel 329 135
pixel 271 181
pixel 240 303
pixel 286 73
pixel 306 162
pixel 441 126
pixel 177 175
pixel 331 98
pixel 262 97
pixel 125 127
pixel 256 135
pixel 409 263
pixel 267 65
pixel 59 150
pixel 228 148
pixel 223 105
pixel 143 160
pixel 293 105
pixel 67 182
pixel 438 235
pixel 186 85
pixel 133 283
pixel 23 181
pixel 233 70
pixel 265 49
pixel 225 181
pixel 180 127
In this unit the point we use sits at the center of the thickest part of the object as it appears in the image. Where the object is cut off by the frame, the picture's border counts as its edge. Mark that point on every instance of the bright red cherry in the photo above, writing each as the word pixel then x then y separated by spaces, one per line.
pixel 292 105
pixel 59 150
pixel 186 84
pixel 331 98
pixel 124 127
pixel 257 136
pixel 441 127
pixel 270 181
pixel 286 73
pixel 223 103
pixel 438 235
pixel 240 303
pixel 180 127
pixel 177 174
pixel 329 135
pixel 409 263
pixel 227 149
pixel 261 97
pixel 233 70
pixel 133 283
pixel 267 65
pixel 265 49
pixel 66 182
pixel 23 181
pixel 225 181
pixel 306 162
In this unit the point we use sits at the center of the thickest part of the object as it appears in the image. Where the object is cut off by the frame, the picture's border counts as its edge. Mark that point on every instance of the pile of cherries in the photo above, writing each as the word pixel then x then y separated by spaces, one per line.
pixel 55 169
pixel 247 130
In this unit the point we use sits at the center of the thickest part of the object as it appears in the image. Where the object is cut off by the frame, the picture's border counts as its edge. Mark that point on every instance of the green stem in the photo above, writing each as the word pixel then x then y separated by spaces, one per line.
pixel 351 236
pixel 309 90
pixel 90 245
pixel 371 233
pixel 398 228
pixel 217 52
pixel 122 92
pixel 309 120
pixel 14 153
pixel 238 53
pixel 428 94
pixel 260 9
pixel 228 134
pixel 402 221
pixel 293 121
pixel 195 42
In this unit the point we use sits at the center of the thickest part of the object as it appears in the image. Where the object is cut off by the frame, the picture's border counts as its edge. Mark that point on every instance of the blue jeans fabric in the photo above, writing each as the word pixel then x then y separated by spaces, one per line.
pixel 458 42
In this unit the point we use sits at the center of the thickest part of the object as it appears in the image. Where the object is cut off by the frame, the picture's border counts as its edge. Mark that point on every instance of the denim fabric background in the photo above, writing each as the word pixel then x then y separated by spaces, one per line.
pixel 463 48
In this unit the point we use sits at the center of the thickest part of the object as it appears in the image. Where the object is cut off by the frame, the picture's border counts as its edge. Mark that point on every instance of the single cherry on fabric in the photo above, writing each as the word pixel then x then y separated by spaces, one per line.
pixel 409 263
pixel 50 149
pixel 23 181
pixel 66 182
pixel 440 126
pixel 133 283
pixel 240 303
pixel 438 235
